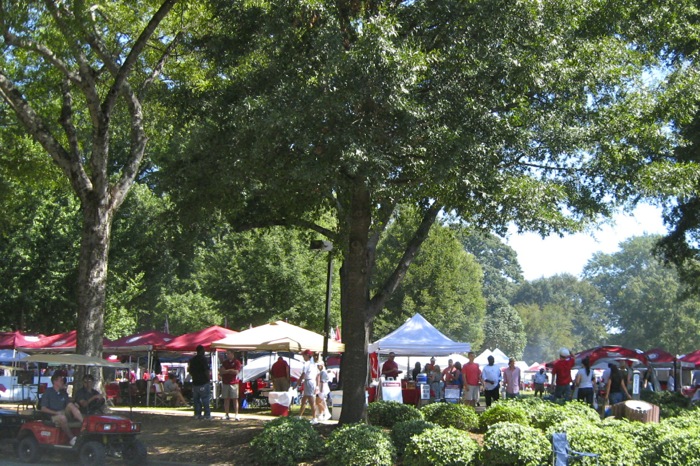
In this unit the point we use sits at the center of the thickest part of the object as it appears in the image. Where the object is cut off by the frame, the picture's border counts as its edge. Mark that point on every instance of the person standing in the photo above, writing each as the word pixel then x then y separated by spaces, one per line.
pixel 561 375
pixel 279 372
pixel 491 377
pixel 584 382
pixel 230 382
pixel 200 372
pixel 471 375
pixel 539 380
pixel 322 379
pixel 616 387
pixel 390 368
pixel 416 370
pixel 308 383
pixel 511 380
pixel 448 373
pixel 55 402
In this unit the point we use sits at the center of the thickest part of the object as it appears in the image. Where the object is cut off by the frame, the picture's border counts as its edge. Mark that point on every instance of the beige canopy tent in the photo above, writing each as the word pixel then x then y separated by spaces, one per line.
pixel 277 336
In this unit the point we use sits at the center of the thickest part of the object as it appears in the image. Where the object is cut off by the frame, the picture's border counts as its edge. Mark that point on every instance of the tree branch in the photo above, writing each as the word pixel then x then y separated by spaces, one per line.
pixel 377 302
pixel 33 123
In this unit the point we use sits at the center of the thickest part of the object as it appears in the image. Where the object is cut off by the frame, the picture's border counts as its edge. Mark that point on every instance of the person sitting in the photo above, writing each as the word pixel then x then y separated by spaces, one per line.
pixel 55 402
pixel 88 399
pixel 172 388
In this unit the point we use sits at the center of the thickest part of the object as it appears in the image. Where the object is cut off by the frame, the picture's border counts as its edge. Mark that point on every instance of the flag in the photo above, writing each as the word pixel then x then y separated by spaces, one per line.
pixel 337 334
pixel 166 326
pixel 332 334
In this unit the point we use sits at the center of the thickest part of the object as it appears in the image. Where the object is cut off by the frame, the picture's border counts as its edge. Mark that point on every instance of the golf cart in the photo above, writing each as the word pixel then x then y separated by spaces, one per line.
pixel 98 436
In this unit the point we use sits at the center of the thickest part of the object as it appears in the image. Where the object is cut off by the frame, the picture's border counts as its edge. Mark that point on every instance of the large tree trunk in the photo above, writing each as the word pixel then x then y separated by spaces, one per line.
pixel 355 310
pixel 92 275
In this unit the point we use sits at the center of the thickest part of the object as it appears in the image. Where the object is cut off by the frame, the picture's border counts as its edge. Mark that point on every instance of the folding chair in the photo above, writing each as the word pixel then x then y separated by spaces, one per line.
pixel 562 452
pixel 160 397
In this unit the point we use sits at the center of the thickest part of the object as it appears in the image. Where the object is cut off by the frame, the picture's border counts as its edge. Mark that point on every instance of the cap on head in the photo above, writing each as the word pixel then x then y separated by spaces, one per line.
pixel 306 353
pixel 564 353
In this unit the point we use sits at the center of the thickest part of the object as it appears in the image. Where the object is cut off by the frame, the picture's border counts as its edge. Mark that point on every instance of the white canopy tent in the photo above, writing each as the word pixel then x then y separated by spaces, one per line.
pixel 258 367
pixel 277 336
pixel 499 358
pixel 418 337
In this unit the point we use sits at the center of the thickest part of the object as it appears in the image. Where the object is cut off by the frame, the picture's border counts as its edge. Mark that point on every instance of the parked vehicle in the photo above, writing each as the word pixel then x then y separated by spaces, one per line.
pixel 97 436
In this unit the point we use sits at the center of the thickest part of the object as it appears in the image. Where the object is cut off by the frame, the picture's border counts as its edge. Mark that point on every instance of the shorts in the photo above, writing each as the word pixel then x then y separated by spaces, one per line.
pixel 63 413
pixel 471 392
pixel 539 387
pixel 229 391
pixel 309 388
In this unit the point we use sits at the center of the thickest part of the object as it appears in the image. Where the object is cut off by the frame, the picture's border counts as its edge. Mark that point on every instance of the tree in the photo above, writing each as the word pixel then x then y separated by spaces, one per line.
pixel 532 113
pixel 74 74
pixel 646 298
pixel 569 312
pixel 443 283
pixel 504 330
pixel 502 272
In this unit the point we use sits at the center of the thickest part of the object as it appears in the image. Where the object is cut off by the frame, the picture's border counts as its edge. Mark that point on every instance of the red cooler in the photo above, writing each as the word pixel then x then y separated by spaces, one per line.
pixel 279 403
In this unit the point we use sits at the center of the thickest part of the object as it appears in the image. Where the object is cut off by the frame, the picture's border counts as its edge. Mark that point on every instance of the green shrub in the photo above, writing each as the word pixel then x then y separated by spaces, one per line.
pixel 388 413
pixel 359 445
pixel 287 441
pixel 687 420
pixel 543 414
pixel 506 443
pixel 614 448
pixel 671 404
pixel 451 415
pixel 676 447
pixel 580 410
pixel 503 412
pixel 404 430
pixel 441 446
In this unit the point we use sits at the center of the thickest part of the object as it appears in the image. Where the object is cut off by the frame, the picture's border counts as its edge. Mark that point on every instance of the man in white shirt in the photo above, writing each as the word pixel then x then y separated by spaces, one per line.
pixel 490 377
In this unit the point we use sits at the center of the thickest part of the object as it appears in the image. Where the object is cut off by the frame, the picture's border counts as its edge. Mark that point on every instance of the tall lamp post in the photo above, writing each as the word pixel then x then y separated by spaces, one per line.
pixel 327 246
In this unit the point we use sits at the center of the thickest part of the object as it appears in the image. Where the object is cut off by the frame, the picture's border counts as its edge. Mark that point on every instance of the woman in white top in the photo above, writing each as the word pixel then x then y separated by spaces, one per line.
pixel 323 392
pixel 584 382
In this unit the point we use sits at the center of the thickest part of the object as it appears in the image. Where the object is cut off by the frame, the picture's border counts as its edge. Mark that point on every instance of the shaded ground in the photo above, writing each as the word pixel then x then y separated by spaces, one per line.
pixel 175 436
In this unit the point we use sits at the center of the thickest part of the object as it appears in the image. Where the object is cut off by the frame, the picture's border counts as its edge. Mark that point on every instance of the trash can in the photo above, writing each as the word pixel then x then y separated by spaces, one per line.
pixel 337 404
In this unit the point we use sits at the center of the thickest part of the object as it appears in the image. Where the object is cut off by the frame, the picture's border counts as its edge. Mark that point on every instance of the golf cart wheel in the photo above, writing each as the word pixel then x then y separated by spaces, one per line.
pixel 135 453
pixel 92 453
pixel 28 450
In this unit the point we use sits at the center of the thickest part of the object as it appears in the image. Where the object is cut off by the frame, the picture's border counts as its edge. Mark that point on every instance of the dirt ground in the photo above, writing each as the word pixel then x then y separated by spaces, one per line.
pixel 173 435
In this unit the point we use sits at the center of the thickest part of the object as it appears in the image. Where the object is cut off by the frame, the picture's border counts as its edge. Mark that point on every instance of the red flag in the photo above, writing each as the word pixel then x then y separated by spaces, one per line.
pixel 337 334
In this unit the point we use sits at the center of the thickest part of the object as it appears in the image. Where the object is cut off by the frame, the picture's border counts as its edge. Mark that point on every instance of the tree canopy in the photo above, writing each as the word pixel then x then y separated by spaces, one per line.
pixel 535 113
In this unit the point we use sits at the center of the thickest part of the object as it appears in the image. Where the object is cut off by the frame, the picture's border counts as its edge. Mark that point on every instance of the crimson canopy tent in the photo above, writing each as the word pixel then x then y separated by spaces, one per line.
pixel 17 339
pixel 143 341
pixel 693 358
pixel 189 341
pixel 58 343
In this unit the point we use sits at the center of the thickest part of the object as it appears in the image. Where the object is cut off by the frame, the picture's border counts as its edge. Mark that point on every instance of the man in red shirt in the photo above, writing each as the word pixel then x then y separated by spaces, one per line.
pixel 471 375
pixel 230 369
pixel 390 368
pixel 279 372
pixel 561 375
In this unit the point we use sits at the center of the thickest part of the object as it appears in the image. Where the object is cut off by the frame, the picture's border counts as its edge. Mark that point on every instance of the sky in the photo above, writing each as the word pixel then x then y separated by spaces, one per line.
pixel 553 255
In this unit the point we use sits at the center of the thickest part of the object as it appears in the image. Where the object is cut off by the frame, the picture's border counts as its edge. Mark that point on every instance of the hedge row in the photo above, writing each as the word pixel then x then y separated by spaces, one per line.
pixel 515 433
